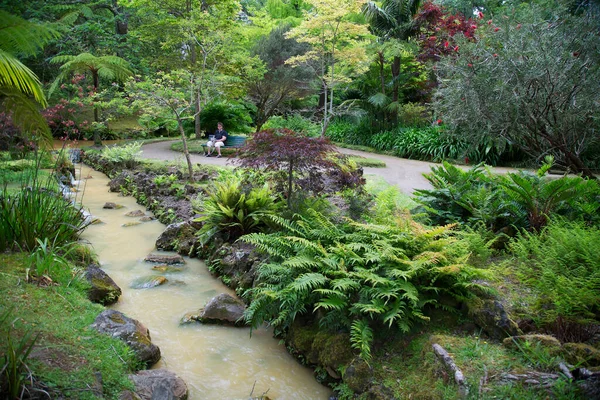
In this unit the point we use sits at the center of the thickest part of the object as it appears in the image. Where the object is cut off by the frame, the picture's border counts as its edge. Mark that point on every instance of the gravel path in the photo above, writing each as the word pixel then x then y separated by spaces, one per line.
pixel 406 174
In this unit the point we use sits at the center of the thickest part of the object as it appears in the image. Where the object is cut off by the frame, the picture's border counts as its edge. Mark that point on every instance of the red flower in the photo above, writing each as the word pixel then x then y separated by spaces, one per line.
pixel 480 15
pixel 489 22
pixel 496 29
pixel 439 121
pixel 455 48
pixel 495 55
pixel 446 44
pixel 432 38
pixel 470 65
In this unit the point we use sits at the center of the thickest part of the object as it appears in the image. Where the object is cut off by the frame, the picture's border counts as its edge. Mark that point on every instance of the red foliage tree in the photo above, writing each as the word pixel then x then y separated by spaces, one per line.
pixel 437 29
pixel 305 162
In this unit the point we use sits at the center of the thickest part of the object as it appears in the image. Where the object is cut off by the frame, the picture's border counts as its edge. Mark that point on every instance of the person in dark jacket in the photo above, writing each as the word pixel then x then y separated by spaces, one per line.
pixel 217 140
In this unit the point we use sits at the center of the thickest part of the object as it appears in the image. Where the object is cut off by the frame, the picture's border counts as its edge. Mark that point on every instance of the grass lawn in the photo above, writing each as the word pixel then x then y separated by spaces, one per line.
pixel 67 355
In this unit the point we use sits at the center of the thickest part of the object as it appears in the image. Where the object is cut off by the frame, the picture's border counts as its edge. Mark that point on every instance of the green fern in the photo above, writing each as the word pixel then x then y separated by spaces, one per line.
pixel 383 274
pixel 361 337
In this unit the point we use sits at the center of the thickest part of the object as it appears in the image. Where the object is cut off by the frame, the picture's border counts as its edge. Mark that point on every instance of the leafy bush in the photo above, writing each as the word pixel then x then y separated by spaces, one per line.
pixel 127 155
pixel 562 264
pixel 519 200
pixel 231 212
pixel 295 123
pixel 36 213
pixel 356 277
pixel 414 115
pixel 235 117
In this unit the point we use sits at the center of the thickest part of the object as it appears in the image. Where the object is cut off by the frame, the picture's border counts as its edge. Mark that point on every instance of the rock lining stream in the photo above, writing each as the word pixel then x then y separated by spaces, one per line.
pixel 216 362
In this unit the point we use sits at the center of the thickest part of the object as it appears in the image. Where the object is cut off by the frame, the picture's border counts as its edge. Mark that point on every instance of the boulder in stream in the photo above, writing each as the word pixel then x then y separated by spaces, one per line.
pixel 148 282
pixel 131 331
pixel 159 384
pixel 135 213
pixel 180 237
pixel 112 206
pixel 168 259
pixel 221 309
pixel 103 289
pixel 147 218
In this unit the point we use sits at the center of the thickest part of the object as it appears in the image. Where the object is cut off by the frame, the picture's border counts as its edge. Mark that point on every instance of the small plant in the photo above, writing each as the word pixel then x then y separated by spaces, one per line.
pixel 13 366
pixel 126 155
pixel 47 260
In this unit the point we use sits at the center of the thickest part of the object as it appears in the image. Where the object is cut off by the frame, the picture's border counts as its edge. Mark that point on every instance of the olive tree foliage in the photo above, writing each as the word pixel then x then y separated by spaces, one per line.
pixel 534 84
pixel 168 94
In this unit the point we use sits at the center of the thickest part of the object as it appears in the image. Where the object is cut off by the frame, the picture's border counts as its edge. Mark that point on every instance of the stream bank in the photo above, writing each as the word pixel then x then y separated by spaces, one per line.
pixel 215 361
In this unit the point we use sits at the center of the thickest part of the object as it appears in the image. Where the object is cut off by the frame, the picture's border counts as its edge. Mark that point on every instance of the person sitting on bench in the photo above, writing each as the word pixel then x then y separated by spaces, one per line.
pixel 218 140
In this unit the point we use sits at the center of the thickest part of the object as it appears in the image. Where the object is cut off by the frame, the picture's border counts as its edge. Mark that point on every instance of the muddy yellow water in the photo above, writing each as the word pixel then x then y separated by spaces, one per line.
pixel 216 362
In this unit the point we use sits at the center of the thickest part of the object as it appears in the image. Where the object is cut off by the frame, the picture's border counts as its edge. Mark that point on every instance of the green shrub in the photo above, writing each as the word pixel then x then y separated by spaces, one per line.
pixel 562 264
pixel 357 277
pixel 414 115
pixel 127 155
pixel 517 200
pixel 294 123
pixel 235 117
pixel 232 212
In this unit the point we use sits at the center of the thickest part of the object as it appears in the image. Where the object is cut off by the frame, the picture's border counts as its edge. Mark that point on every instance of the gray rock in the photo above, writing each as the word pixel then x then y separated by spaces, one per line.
pixel 159 384
pixel 239 262
pixel 491 316
pixel 135 213
pixel 223 309
pixel 179 237
pixel 103 289
pixel 359 375
pixel 165 259
pixel 147 218
pixel 148 282
pixel 129 395
pixel 131 331
pixel 112 206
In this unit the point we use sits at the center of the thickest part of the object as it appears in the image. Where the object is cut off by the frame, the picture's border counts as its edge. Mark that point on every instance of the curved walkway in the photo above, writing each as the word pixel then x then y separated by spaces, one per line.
pixel 406 174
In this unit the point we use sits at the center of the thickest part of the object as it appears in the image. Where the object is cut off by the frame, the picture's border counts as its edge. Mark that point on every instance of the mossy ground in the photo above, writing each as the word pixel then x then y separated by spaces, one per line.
pixel 68 357
pixel 407 365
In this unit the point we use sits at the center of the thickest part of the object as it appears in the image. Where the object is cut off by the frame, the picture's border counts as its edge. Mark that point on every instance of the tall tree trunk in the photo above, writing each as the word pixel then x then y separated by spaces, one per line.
pixel 185 148
pixel 395 84
pixel 97 140
pixel 381 71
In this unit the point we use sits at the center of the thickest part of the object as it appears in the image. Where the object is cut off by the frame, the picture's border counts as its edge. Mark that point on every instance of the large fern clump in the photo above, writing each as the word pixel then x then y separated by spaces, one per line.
pixel 521 200
pixel 354 276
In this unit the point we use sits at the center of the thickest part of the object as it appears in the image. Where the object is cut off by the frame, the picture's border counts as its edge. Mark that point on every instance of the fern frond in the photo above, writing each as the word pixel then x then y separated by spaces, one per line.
pixel 361 338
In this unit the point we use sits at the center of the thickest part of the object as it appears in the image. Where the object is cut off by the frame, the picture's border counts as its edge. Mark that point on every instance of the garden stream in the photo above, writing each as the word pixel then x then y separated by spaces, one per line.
pixel 216 362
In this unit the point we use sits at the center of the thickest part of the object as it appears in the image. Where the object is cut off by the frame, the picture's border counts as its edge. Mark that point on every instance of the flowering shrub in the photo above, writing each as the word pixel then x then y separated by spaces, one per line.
pixel 66 118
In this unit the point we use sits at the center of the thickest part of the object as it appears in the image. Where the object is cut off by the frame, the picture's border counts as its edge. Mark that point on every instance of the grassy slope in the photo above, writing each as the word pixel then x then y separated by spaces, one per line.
pixel 67 355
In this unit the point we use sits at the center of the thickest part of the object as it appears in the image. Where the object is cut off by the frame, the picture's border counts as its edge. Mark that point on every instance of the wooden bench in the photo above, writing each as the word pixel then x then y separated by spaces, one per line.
pixel 232 142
